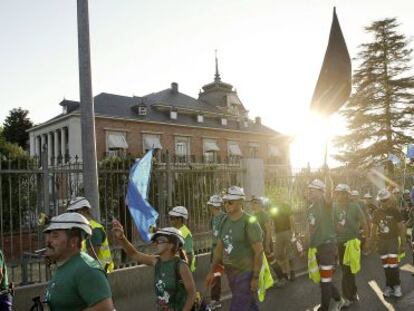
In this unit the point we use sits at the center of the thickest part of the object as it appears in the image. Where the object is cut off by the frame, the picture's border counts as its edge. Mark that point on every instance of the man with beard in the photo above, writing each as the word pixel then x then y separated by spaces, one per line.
pixel 79 281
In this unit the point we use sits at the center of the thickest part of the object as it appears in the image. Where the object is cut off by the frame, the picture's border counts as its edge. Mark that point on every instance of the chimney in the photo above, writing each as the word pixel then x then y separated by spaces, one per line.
pixel 258 120
pixel 174 87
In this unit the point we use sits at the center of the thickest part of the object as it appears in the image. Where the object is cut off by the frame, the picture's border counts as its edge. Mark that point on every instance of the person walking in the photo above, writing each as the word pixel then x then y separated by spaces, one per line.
pixel 173 281
pixel 240 249
pixel 215 203
pixel 348 219
pixel 97 245
pixel 178 216
pixel 389 234
pixel 79 282
pixel 323 248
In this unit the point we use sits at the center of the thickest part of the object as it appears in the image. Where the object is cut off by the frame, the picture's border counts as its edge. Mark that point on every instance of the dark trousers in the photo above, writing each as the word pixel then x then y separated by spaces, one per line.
pixel 216 289
pixel 326 256
pixel 349 288
pixel 6 302
pixel 388 250
pixel 243 299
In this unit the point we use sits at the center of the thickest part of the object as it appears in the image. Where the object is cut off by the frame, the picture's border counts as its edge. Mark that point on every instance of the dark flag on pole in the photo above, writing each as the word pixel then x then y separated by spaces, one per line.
pixel 334 83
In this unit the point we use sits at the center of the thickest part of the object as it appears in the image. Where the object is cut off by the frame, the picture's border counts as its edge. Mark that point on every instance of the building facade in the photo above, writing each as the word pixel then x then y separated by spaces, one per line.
pixel 215 127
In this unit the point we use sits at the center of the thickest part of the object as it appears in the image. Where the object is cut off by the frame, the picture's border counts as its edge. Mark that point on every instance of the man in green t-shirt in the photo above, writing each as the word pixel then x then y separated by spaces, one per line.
pixel 240 249
pixel 79 282
pixel 215 204
pixel 348 219
pixel 6 299
pixel 323 239
pixel 178 215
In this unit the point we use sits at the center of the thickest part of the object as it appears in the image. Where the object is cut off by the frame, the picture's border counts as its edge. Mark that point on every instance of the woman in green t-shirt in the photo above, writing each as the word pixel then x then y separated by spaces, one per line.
pixel 173 280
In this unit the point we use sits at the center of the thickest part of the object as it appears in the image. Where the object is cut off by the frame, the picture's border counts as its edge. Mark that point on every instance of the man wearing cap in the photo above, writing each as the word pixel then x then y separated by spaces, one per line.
pixel 240 249
pixel 323 243
pixel 387 229
pixel 348 219
pixel 216 206
pixel 79 282
pixel 178 215
pixel 97 245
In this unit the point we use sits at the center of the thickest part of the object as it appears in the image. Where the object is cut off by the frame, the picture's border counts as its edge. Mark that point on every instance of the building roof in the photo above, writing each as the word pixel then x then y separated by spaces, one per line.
pixel 159 105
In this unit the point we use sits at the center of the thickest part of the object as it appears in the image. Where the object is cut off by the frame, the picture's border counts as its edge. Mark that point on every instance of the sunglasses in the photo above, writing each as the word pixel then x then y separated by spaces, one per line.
pixel 174 218
pixel 229 202
pixel 161 241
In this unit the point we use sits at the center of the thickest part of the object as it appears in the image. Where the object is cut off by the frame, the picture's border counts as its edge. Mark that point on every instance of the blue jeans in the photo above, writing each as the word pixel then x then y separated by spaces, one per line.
pixel 6 302
pixel 243 299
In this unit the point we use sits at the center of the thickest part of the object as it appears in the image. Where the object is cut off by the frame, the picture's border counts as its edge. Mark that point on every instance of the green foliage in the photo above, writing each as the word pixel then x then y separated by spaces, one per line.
pixel 15 127
pixel 380 110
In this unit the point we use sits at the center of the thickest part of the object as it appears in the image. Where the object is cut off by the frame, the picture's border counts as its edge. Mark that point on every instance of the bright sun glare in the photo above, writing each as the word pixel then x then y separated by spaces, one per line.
pixel 309 141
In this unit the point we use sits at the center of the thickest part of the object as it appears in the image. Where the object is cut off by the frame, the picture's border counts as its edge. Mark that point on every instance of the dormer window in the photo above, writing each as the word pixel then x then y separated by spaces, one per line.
pixel 224 122
pixel 64 109
pixel 142 110
pixel 200 118
pixel 173 115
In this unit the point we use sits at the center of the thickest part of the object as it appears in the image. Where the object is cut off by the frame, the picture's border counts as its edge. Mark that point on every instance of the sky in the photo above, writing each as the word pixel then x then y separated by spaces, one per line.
pixel 270 51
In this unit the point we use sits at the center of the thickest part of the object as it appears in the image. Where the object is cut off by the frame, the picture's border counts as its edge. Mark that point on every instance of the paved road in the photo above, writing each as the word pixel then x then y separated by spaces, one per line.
pixel 303 294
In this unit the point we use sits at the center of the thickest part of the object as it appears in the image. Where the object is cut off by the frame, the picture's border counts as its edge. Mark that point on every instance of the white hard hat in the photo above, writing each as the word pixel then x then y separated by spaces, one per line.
pixel 383 195
pixel 355 193
pixel 169 231
pixel 78 203
pixel 234 193
pixel 68 221
pixel 406 191
pixel 215 200
pixel 179 211
pixel 317 184
pixel 396 190
pixel 343 188
pixel 367 196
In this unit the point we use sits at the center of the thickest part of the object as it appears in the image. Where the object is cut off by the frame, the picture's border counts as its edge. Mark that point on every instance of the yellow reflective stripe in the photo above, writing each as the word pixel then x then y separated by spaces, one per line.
pixel 104 254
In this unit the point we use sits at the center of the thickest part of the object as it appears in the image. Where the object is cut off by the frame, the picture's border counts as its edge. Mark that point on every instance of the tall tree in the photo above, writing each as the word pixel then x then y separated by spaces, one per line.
pixel 380 111
pixel 15 127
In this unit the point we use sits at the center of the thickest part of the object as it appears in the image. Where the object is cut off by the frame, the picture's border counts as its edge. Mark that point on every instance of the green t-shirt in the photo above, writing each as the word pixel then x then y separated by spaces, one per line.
pixel 321 227
pixel 169 288
pixel 215 227
pixel 347 221
pixel 4 284
pixel 98 237
pixel 238 236
pixel 77 284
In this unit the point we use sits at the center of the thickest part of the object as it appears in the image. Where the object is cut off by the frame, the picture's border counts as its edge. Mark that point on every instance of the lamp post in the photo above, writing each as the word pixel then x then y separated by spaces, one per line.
pixel 90 169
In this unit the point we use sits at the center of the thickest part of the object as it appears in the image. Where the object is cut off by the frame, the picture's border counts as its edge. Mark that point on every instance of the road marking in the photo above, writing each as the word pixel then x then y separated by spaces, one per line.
pixel 378 292
pixel 408 268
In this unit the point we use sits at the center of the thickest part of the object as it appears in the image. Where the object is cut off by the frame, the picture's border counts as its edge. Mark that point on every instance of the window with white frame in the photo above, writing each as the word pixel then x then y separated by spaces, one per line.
pixel 223 121
pixel 142 110
pixel 233 149
pixel 173 115
pixel 182 148
pixel 116 143
pixel 150 141
pixel 200 118
pixel 210 150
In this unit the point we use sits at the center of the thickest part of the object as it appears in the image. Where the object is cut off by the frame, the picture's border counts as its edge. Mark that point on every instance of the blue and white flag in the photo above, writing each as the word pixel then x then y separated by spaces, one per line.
pixel 143 214
pixel 410 151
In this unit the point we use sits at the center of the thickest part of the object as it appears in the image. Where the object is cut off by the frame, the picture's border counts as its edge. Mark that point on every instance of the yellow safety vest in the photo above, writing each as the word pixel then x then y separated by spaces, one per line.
pixel 313 268
pixel 104 254
pixel 185 233
pixel 265 279
pixel 352 255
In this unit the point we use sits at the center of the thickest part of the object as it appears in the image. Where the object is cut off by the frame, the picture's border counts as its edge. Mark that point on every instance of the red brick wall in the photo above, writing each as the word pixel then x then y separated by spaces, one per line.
pixel 167 132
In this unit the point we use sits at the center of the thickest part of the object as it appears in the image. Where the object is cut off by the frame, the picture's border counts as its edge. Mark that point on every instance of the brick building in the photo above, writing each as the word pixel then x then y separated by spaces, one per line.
pixel 213 128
